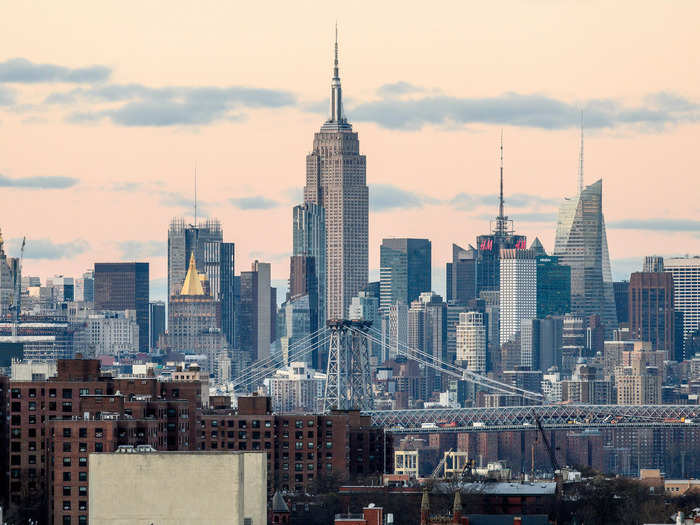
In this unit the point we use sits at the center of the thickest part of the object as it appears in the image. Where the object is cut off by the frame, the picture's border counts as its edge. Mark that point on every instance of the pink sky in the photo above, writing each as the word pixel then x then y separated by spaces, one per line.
pixel 124 143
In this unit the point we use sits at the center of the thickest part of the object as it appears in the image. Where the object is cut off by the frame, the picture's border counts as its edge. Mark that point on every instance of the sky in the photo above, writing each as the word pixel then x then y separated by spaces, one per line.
pixel 107 107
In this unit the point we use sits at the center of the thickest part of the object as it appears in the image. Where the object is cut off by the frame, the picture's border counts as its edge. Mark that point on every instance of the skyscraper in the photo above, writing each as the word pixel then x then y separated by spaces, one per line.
pixel 652 317
pixel 686 286
pixel 518 291
pixel 9 277
pixel 215 258
pixel 404 270
pixel 256 319
pixel 553 287
pixel 461 275
pixel 124 286
pixel 471 341
pixel 336 180
pixel 502 237
pixel 309 240
pixel 653 263
pixel 156 321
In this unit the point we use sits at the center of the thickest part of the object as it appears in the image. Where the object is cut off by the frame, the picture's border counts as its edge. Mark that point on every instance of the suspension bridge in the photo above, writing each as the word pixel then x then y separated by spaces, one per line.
pixel 349 386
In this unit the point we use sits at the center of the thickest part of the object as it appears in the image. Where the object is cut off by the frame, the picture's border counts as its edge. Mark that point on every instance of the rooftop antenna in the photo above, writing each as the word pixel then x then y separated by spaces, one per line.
pixel 500 199
pixel 580 160
pixel 195 194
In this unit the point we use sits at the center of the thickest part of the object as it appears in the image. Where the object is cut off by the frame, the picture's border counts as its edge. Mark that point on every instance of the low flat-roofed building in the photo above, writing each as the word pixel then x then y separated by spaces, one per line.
pixel 175 488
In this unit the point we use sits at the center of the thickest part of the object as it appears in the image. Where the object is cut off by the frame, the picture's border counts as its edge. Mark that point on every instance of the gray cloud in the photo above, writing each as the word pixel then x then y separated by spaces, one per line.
pixel 470 201
pixel 384 197
pixel 295 194
pixel 534 111
pixel 657 224
pixel 398 88
pixel 256 202
pixel 7 96
pixel 21 70
pixel 127 186
pixel 47 249
pixel 270 257
pixel 171 106
pixel 38 183
pixel 142 249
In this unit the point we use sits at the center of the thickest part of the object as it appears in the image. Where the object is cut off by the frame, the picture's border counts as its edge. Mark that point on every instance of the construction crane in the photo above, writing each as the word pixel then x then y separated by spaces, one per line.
pixel 440 465
pixel 550 451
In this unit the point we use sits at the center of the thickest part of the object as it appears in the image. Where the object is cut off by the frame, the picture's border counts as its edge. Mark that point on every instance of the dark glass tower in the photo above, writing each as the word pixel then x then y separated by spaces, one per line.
pixel 461 275
pixel 124 286
pixel 405 271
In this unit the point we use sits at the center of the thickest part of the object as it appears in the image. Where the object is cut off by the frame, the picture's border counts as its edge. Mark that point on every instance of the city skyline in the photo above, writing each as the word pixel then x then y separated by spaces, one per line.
pixel 459 150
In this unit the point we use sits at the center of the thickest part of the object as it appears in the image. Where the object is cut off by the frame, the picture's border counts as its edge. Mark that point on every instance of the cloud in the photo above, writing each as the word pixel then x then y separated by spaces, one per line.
pixel 384 197
pixel 127 186
pixel 170 106
pixel 21 70
pixel 398 88
pixel 142 249
pixel 471 201
pixel 657 224
pixel 532 111
pixel 270 257
pixel 295 194
pixel 158 289
pixel 38 182
pixel 257 202
pixel 47 249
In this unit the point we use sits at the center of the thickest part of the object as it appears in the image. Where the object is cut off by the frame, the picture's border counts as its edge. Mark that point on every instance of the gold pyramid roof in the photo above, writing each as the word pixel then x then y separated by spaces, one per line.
pixel 192 285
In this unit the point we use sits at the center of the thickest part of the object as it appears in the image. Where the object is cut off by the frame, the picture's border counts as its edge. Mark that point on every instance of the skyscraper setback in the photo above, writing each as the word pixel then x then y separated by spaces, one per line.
pixel 336 180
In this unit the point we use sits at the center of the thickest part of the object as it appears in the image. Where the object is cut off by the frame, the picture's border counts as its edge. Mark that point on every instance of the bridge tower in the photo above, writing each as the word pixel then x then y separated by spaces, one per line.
pixel 348 377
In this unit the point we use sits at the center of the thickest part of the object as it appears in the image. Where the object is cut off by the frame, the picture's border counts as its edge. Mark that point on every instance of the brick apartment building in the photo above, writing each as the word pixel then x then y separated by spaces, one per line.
pixel 53 425
pixel 300 447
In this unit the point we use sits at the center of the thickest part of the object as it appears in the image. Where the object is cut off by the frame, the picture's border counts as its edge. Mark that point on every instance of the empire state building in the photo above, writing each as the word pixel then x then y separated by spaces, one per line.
pixel 336 179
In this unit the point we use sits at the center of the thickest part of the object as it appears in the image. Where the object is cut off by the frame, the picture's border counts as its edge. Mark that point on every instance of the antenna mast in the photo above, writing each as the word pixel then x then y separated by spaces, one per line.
pixel 195 194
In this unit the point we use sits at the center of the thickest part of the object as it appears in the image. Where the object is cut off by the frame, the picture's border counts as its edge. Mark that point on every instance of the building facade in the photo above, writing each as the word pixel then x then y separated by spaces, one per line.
pixel 471 341
pixel 518 291
pixel 651 312
pixel 460 275
pixel 686 286
pixel 309 240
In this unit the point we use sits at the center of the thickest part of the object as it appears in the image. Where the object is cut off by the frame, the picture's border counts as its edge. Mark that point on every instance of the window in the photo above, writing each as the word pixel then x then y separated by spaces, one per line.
pixel 256 423
pixel 67 406
pixel 15 393
pixel 66 491
pixel 299 424
pixel 32 419
pixel 66 476
pixel 32 460
pixel 66 520
pixel 99 447
pixel 16 406
pixel 16 446
pixel 82 520
pixel 66 505
pixel 15 460
pixel 16 420
pixel 66 446
pixel 67 393
pixel 52 392
pixel 32 405
pixel 84 391
pixel 82 476
pixel 67 432
pixel 82 491
pixel 66 462
pixel 82 505
pixel 82 447
pixel 82 462
pixel 99 433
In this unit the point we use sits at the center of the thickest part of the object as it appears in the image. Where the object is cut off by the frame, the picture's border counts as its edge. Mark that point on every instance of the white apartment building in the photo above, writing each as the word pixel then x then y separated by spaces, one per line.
pixel 471 341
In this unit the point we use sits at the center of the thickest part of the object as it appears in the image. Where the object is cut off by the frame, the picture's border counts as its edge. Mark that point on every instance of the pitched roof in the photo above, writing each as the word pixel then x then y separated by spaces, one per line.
pixel 192 284
pixel 278 503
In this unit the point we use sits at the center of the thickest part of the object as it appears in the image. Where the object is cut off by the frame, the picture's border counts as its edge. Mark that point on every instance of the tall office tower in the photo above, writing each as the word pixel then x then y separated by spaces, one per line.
pixel 686 291
pixel 540 343
pixel 453 313
pixel 395 330
pixel 427 325
pixel 63 288
pixel 404 270
pixel 653 263
pixel 215 258
pixel 621 289
pixel 582 244
pixel 84 287
pixel 156 322
pixel 124 286
pixel 256 320
pixel 652 316
pixel 518 291
pixel 309 239
pixel 303 294
pixel 297 316
pixel 193 319
pixel 9 278
pixel 336 180
pixel 553 287
pixel 471 341
pixel 461 275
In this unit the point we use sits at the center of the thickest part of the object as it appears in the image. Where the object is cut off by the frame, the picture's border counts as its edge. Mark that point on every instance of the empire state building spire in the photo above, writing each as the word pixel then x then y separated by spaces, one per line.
pixel 336 90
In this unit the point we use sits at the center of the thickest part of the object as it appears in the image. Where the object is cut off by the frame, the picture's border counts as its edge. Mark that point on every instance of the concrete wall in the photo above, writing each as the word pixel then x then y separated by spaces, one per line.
pixel 177 488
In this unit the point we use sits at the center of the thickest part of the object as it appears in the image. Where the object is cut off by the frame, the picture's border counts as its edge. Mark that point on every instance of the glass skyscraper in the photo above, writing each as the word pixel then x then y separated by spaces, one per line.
pixel 404 270
pixel 582 244
pixel 309 240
